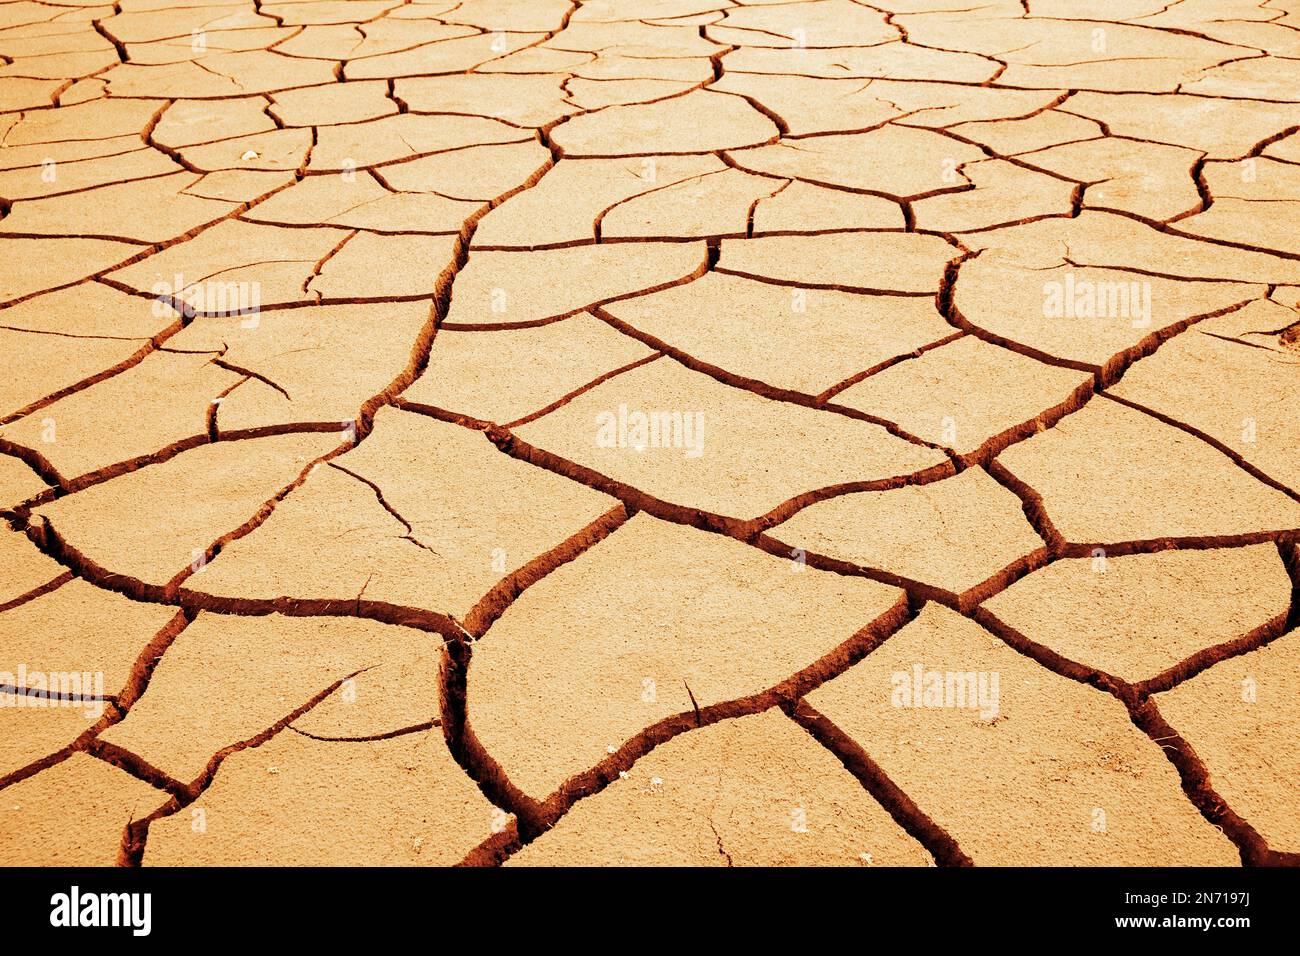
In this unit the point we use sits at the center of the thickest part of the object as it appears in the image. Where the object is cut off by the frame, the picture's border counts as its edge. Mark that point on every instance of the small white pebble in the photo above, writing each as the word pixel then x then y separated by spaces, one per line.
pixel 250 154
pixel 656 781
pixel 611 749
pixel 622 775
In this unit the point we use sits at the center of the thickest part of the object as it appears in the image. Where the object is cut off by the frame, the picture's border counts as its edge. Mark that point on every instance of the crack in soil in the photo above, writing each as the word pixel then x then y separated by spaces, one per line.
pixel 511 88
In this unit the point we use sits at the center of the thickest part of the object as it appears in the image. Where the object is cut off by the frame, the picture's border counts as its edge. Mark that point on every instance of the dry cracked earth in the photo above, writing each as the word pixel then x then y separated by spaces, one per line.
pixel 650 432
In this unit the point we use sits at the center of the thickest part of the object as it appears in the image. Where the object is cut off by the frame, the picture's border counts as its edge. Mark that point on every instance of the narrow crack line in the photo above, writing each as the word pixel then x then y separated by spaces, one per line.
pixel 52 544
pixel 718 837
pixel 753 207
pixel 369 738
pixel 599 221
pixel 936 840
pixel 1153 273
pixel 254 522
pixel 129 362
pixel 119 705
pixel 1104 375
pixel 637 500
pixel 1114 368
pixel 441 414
pixel 1195 779
pixel 147 661
pixel 582 389
pixel 135 765
pixel 1207 657
pixel 40 465
pixel 159 338
pixel 1142 711
pixel 792 506
pixel 469 752
pixel 1177 543
pixel 1031 503
pixel 37 693
pixel 1289 551
pixel 1168 229
pixel 36 766
pixel 1046 657
pixel 74 335
pixel 136 834
pixel 1253 345
pixel 696 273
pixel 994 445
pixel 330 254
pixel 823 397
pixel 503 594
pixel 214 407
pixel 595 779
pixel 37 592
pixel 904 201
pixel 920 590
pixel 740 236
pixel 1235 457
pixel 384 612
pixel 773 392
pixel 379 496
pixel 93 186
pixel 999 581
pixel 70 486
pixel 249 373
pixel 42 534
pixel 695 706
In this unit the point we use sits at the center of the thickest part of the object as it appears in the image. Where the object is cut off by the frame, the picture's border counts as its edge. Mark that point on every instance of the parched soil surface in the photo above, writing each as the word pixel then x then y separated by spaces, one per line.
pixel 650 432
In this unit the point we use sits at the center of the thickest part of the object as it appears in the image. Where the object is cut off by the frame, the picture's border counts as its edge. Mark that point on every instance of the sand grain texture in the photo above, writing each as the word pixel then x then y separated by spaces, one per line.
pixel 552 433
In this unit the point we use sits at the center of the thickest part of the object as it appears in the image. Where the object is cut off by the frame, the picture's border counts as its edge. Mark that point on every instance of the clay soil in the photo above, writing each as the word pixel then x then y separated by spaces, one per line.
pixel 706 432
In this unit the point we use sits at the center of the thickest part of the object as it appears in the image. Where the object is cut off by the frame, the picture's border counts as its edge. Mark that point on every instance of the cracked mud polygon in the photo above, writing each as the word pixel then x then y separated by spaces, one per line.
pixel 650 432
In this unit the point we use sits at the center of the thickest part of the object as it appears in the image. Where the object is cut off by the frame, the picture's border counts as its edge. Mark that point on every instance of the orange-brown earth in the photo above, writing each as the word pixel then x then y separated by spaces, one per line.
pixel 329 330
